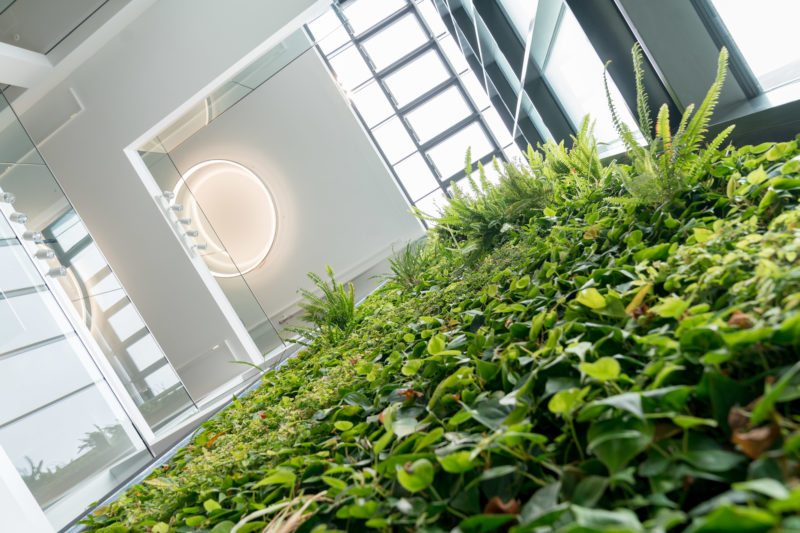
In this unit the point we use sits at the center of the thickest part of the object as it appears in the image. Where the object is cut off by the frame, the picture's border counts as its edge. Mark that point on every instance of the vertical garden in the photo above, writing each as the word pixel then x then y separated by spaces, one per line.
pixel 583 346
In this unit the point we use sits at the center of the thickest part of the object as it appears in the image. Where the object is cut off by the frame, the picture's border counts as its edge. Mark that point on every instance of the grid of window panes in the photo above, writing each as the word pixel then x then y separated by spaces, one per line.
pixel 413 91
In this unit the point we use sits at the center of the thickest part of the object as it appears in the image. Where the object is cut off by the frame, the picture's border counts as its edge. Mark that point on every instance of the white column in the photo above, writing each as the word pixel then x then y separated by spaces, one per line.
pixel 19 510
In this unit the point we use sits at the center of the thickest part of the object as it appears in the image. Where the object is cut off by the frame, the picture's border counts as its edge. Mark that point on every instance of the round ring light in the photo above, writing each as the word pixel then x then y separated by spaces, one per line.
pixel 234 213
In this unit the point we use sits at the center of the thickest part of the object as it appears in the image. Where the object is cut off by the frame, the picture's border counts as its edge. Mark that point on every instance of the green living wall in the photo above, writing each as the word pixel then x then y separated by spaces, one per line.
pixel 581 347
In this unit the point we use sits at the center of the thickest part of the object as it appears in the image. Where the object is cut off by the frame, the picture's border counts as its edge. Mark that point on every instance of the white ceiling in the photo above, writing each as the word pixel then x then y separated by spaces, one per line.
pixel 337 202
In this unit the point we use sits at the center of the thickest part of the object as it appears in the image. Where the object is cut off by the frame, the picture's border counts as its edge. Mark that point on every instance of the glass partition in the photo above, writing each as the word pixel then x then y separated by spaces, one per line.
pixel 194 214
pixel 64 249
pixel 200 236
pixel 60 424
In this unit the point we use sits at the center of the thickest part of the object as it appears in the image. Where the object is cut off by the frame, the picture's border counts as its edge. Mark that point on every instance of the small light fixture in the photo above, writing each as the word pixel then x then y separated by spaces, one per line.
pixel 57 272
pixel 191 233
pixel 168 195
pixel 199 246
pixel 44 253
pixel 32 236
pixel 19 218
pixel 185 221
pixel 177 207
pixel 7 197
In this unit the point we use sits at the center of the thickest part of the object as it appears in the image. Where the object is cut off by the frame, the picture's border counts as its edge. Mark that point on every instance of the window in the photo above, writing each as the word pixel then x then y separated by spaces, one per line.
pixel 575 73
pixel 765 33
pixel 412 93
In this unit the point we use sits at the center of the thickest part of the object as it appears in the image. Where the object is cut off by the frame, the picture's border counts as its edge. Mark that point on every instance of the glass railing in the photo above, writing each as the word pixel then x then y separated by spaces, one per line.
pixel 196 230
pixel 64 247
pixel 194 214
pixel 60 424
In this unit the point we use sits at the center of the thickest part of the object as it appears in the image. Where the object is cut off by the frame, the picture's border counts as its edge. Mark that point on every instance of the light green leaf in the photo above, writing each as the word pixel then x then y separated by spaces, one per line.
pixel 591 298
pixel 702 235
pixel 161 527
pixel 566 400
pixel 436 344
pixel 757 176
pixel 417 476
pixel 688 422
pixel 412 367
pixel 281 476
pixel 604 369
pixel 671 307
pixel 548 212
pixel 457 462
pixel 211 505
pixel 343 425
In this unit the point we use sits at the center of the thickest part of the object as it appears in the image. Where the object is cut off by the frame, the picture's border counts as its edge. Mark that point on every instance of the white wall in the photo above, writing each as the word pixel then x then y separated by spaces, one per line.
pixel 168 56
pixel 337 202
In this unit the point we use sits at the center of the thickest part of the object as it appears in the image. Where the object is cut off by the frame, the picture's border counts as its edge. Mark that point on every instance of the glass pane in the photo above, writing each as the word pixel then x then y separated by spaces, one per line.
pixel 438 114
pixel 513 153
pixel 62 445
pixel 125 322
pixel 476 89
pixel 372 103
pixel 449 155
pixel 364 14
pixel 432 204
pixel 454 54
pixel 394 140
pixel 417 78
pixel 766 34
pixel 432 18
pixel 18 271
pixel 497 126
pixel 576 74
pixel 520 13
pixel 416 176
pixel 350 68
pixel 395 42
pixel 68 369
pixel 328 32
pixel 30 318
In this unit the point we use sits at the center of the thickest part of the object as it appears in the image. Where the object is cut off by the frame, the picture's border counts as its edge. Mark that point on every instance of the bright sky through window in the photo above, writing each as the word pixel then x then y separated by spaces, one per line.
pixel 766 34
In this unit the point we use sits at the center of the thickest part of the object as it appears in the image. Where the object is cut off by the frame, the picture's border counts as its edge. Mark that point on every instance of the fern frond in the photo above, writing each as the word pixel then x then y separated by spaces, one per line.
pixel 708 153
pixel 623 130
pixel 642 107
pixel 698 126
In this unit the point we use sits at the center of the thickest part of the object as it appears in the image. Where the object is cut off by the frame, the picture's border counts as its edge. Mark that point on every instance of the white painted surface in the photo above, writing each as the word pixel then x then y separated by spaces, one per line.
pixel 337 202
pixel 161 57
pixel 19 510
pixel 21 67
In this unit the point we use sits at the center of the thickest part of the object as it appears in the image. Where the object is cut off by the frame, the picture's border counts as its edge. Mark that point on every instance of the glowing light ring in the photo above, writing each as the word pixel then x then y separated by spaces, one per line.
pixel 212 241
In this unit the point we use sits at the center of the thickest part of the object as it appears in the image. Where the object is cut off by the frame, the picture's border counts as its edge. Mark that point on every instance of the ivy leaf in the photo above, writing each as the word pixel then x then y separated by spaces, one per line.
pixel 211 505
pixel 688 422
pixel 702 235
pixel 618 440
pixel 281 476
pixel 436 344
pixel 412 367
pixel 566 400
pixel 343 425
pixel 671 307
pixel 604 369
pixel 415 476
pixel 591 298
pixel 458 462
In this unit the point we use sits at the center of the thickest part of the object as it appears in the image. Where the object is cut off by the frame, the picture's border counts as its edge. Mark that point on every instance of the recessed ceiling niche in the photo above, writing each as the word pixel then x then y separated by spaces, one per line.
pixel 229 204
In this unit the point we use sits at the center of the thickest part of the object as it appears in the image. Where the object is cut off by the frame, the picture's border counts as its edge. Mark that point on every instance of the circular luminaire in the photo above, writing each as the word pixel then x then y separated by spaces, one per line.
pixel 234 213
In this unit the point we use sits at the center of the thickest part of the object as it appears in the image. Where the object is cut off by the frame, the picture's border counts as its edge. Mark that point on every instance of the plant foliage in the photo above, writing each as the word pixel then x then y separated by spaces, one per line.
pixel 332 312
pixel 595 367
